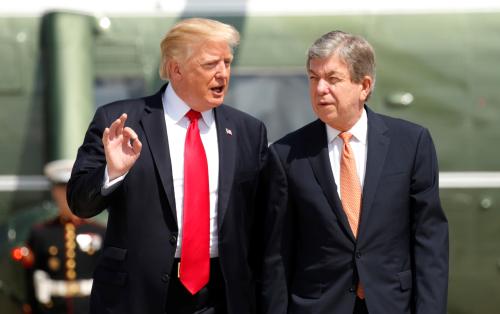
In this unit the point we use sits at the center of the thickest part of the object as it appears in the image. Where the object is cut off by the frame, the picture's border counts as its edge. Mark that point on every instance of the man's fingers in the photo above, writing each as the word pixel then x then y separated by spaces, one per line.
pixel 105 137
pixel 121 124
pixel 123 118
pixel 116 127
pixel 136 146
pixel 113 129
pixel 131 136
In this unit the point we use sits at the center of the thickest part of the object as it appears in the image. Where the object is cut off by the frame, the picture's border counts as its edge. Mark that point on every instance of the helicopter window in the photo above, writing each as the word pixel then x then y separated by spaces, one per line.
pixel 280 100
pixel 107 90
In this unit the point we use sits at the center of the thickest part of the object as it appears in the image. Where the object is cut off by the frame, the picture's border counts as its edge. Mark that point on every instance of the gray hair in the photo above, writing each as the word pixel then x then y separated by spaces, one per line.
pixel 179 41
pixel 354 50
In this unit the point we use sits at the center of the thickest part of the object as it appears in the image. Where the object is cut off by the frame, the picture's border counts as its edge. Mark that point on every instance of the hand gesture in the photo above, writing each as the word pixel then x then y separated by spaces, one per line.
pixel 121 146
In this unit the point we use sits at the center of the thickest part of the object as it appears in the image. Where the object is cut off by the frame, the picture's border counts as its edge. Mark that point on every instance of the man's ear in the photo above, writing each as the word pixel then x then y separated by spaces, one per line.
pixel 174 70
pixel 366 87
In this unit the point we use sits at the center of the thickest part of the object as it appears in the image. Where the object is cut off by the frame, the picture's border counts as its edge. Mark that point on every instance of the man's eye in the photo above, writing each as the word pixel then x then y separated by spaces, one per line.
pixel 210 65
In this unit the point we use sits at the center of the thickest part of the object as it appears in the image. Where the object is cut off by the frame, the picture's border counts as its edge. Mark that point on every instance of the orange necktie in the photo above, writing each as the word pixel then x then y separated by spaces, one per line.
pixel 350 191
pixel 194 270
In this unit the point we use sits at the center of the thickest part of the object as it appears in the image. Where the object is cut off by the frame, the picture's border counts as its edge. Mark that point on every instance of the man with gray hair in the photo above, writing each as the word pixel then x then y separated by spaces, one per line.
pixel 353 221
pixel 178 172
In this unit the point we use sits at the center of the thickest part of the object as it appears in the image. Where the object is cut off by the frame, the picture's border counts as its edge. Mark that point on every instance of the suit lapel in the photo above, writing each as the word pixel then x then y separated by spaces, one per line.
pixel 320 163
pixel 153 123
pixel 227 136
pixel 378 144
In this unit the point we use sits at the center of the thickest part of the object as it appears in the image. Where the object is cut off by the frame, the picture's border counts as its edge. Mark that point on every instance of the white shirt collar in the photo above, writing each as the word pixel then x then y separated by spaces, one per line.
pixel 175 108
pixel 358 131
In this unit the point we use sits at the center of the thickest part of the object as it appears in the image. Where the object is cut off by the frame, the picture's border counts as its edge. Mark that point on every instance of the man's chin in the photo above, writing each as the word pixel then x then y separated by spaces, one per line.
pixel 216 102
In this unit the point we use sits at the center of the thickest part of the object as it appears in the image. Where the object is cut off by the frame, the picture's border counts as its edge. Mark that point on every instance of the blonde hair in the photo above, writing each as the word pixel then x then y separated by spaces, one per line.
pixel 179 41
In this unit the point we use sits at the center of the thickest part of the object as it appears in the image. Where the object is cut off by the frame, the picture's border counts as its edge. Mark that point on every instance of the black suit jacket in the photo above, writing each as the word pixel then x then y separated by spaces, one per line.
pixel 133 274
pixel 312 260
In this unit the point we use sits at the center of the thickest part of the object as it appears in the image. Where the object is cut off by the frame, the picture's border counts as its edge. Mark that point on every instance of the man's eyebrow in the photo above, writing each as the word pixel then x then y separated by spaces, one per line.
pixel 328 74
pixel 333 73
pixel 209 60
pixel 312 72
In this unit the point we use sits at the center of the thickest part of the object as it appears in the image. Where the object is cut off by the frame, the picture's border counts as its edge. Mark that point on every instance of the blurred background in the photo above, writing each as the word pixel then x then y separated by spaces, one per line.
pixel 438 64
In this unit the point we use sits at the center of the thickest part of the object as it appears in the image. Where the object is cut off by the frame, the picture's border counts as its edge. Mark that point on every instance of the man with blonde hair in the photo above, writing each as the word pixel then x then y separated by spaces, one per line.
pixel 178 172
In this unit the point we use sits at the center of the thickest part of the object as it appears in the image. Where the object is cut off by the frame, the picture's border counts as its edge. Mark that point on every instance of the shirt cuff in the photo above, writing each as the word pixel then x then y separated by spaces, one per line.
pixel 109 186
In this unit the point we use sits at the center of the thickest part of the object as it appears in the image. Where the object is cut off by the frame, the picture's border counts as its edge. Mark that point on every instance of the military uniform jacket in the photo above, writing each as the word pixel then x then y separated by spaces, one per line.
pixel 65 255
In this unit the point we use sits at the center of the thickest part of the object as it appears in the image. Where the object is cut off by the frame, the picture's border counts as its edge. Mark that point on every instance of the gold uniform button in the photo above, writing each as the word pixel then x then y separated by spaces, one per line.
pixel 70 235
pixel 54 263
pixel 70 227
pixel 53 250
pixel 70 264
pixel 71 274
pixel 70 254
pixel 70 245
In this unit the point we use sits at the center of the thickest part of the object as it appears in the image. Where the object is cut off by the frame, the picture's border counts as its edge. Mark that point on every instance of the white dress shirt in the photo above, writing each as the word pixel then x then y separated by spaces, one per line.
pixel 358 144
pixel 175 110
pixel 177 124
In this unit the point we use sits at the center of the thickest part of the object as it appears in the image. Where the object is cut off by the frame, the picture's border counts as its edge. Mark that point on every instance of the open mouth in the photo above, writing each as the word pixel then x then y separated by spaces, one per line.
pixel 218 89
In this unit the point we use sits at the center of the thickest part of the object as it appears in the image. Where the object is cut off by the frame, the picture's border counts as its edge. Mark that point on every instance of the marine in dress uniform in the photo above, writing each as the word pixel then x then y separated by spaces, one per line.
pixel 65 251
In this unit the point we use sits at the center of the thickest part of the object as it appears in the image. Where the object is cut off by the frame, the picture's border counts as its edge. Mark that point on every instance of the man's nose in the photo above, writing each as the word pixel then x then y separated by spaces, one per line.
pixel 222 70
pixel 322 87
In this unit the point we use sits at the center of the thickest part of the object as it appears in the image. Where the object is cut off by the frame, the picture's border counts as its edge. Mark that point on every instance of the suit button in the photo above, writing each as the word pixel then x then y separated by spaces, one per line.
pixel 165 277
pixel 352 289
pixel 358 254
pixel 173 239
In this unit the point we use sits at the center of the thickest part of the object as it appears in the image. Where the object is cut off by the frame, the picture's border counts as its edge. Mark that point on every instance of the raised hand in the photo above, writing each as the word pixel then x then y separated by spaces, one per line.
pixel 121 146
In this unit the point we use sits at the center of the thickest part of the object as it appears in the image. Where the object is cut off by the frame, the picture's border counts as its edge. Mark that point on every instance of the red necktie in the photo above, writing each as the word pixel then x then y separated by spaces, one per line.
pixel 194 270
pixel 350 191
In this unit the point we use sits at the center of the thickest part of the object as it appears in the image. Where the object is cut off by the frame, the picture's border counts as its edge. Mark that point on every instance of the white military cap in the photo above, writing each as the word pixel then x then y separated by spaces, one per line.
pixel 59 171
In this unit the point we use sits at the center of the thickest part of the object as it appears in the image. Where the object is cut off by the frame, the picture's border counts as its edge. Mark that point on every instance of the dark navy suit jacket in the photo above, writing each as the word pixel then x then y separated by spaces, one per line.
pixel 312 260
pixel 133 273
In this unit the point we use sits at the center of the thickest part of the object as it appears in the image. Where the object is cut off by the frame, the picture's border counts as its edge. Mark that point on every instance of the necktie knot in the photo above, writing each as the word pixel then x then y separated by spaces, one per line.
pixel 193 115
pixel 345 136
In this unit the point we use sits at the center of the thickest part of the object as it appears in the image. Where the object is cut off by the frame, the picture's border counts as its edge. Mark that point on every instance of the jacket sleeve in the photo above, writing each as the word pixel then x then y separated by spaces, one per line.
pixel 277 221
pixel 84 187
pixel 429 232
